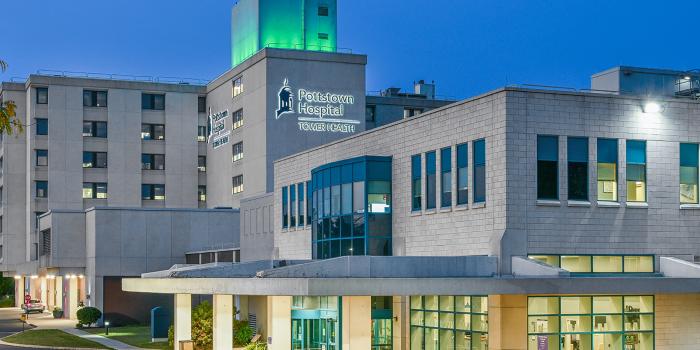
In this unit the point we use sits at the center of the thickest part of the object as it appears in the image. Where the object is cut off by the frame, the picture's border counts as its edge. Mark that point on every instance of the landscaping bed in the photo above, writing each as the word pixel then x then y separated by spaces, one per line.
pixel 53 338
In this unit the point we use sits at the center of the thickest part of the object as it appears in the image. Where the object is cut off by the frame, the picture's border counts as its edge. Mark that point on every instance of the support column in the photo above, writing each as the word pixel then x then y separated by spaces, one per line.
pixel 58 289
pixel 400 323
pixel 44 290
pixel 183 319
pixel 279 323
pixel 73 298
pixel 507 322
pixel 19 291
pixel 357 322
pixel 223 322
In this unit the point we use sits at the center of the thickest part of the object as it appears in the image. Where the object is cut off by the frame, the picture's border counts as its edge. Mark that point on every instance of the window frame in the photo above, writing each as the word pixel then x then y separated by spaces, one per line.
pixel 629 164
pixel 152 161
pixel 152 132
pixel 38 156
pixel 44 188
pixel 416 183
pixel 476 165
pixel 237 182
pixel 690 162
pixel 237 119
pixel 42 92
pixel 152 192
pixel 430 169
pixel 570 164
pixel 42 126
pixel 462 170
pixel 94 186
pixel 236 86
pixel 237 156
pixel 94 160
pixel 95 129
pixel 93 97
pixel 544 163
pixel 149 101
pixel 615 190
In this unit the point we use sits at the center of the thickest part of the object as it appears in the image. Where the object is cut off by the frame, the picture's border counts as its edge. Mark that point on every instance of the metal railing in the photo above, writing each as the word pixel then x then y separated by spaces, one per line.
pixel 123 77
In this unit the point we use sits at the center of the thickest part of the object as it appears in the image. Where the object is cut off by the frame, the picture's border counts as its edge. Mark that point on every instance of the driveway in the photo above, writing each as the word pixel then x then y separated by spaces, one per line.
pixel 10 324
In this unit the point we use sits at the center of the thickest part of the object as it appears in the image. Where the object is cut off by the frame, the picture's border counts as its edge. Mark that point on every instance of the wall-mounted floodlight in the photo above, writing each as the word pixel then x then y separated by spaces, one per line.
pixel 17 277
pixel 651 107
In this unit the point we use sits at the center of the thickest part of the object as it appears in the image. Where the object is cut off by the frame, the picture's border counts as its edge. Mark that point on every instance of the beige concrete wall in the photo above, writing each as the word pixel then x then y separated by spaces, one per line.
pixel 279 322
pixel 257 305
pixel 401 329
pixel 507 322
pixel 357 322
pixel 677 321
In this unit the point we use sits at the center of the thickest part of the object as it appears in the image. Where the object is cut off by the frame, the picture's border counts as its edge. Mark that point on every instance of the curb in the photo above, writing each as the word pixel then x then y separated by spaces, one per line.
pixel 2 342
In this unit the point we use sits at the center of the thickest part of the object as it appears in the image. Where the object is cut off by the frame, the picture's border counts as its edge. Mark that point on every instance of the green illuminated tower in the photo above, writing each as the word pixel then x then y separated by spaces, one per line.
pixel 288 24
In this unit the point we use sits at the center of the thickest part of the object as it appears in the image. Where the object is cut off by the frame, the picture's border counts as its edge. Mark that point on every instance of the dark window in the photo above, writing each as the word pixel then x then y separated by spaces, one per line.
pixel 42 96
pixel 225 256
pixel 323 11
pixel 547 167
pixel 152 132
pixel 202 193
pixel 285 208
pixel 94 129
pixel 446 177
pixel 323 36
pixel 416 184
pixel 94 190
pixel 42 126
pixel 479 149
pixel 292 206
pixel 94 159
pixel 462 174
pixel 42 189
pixel 152 161
pixel 370 113
pixel 689 173
pixel 607 170
pixel 153 192
pixel 309 195
pixel 192 259
pixel 202 133
pixel 94 98
pixel 300 204
pixel 42 157
pixel 430 189
pixel 202 163
pixel 577 168
pixel 237 184
pixel 202 104
pixel 153 101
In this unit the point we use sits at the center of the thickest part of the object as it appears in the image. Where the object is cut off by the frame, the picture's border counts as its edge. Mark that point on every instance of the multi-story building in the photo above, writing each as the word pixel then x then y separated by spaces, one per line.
pixel 516 219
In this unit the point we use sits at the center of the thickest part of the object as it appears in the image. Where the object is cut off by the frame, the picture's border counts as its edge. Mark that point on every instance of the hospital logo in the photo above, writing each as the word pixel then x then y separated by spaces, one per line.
pixel 285 103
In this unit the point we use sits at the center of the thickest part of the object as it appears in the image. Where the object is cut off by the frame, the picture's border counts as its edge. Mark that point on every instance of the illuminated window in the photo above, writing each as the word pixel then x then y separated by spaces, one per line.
pixel 153 192
pixel 93 190
pixel 237 119
pixel 237 184
pixel 448 322
pixel 607 170
pixel 577 168
pixel 599 263
pixel 202 193
pixel 548 167
pixel 416 184
pixel 237 151
pixel 446 177
pixel 237 86
pixel 202 133
pixel 689 173
pixel 636 171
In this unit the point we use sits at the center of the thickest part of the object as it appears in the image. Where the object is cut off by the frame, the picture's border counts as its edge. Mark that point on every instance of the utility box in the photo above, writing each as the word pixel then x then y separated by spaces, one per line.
pixel 160 322
pixel 186 345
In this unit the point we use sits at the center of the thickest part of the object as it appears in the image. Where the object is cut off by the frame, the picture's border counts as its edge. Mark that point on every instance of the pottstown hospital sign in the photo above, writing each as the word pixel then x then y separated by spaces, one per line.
pixel 217 129
pixel 317 111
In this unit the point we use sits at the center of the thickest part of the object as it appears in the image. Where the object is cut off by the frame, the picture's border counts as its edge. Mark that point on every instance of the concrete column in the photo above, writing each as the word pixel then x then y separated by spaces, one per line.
pixel 279 322
pixel 357 322
pixel 73 298
pixel 400 323
pixel 43 290
pixel 183 319
pixel 223 322
pixel 507 322
pixel 19 291
pixel 58 286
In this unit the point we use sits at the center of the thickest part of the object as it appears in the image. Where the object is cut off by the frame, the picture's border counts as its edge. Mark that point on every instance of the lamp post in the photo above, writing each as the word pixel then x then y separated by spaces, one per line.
pixel 106 327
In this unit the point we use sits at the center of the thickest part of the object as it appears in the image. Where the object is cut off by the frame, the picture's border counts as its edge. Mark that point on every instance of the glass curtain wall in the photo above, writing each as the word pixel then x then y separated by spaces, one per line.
pixel 315 323
pixel 449 322
pixel 382 323
pixel 351 208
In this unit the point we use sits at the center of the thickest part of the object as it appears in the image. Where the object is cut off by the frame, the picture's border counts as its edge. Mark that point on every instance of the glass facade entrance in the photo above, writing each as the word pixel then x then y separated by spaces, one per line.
pixel 315 323
pixel 449 322
pixel 382 323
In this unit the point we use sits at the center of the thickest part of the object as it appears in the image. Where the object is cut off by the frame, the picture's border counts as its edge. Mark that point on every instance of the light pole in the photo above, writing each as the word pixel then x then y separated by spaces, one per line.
pixel 106 327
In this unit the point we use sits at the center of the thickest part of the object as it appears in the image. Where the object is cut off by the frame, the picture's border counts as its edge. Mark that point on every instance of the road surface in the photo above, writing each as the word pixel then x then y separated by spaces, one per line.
pixel 10 324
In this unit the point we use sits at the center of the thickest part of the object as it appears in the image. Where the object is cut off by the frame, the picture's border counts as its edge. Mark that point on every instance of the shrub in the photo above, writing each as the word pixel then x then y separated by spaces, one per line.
pixel 88 315
pixel 202 325
pixel 256 346
pixel 171 336
pixel 242 334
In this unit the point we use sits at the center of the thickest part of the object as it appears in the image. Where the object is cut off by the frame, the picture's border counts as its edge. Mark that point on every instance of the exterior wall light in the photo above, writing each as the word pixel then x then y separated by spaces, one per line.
pixel 34 277
pixel 652 107
pixel 18 277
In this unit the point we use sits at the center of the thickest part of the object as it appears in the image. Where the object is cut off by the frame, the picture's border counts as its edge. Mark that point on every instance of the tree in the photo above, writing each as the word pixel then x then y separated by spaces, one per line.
pixel 8 117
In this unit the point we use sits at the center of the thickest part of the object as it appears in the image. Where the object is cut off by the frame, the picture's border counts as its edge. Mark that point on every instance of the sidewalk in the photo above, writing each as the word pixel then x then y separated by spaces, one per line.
pixel 111 343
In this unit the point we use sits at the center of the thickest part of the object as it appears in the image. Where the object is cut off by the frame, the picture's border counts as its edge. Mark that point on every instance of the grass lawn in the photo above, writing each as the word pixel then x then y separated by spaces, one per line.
pixel 139 336
pixel 7 301
pixel 52 337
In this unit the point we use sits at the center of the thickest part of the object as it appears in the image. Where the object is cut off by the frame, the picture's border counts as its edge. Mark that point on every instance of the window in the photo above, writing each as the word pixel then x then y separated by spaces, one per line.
pixel 202 193
pixel 285 208
pixel 94 98
pixel 153 101
pixel 370 113
pixel 607 170
pixel 446 177
pixel 590 322
pixel 577 168
pixel 94 159
pixel 202 133
pixel 94 190
pixel 94 129
pixel 153 161
pixel 237 119
pixel 309 196
pixel 202 163
pixel 430 180
pixel 42 96
pixel 323 11
pixel 636 171
pixel 237 151
pixel 237 184
pixel 547 167
pixel 42 189
pixel 449 322
pixel 323 36
pixel 410 112
pixel 201 104
pixel 292 206
pixel 153 192
pixel 416 185
pixel 599 263
pixel 689 173
pixel 42 157
pixel 462 182
pixel 42 126
pixel 479 149
pixel 300 204
pixel 152 132
pixel 237 86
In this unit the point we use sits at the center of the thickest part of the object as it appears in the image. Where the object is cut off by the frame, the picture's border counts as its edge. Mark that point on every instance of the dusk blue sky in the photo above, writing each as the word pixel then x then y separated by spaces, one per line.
pixel 468 47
